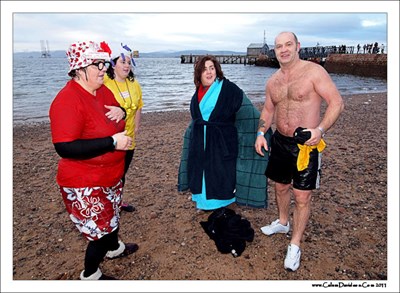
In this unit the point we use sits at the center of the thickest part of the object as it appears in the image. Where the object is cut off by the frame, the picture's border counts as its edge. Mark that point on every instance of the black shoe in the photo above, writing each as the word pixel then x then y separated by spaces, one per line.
pixel 98 275
pixel 129 249
pixel 127 207
pixel 105 277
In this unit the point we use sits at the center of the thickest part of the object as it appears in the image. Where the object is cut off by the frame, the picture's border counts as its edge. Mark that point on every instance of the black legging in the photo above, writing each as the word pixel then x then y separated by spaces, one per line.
pixel 96 251
pixel 128 160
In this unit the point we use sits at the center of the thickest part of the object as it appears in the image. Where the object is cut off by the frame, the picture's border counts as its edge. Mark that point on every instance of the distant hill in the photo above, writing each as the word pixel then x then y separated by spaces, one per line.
pixel 37 54
pixel 177 54
pixel 157 54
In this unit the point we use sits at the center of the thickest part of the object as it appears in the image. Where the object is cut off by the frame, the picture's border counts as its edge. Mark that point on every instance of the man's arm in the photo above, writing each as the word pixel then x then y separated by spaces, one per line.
pixel 326 88
pixel 264 123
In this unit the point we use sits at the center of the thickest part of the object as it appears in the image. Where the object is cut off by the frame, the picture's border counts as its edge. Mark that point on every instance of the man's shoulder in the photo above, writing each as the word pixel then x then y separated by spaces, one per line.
pixel 312 69
pixel 311 64
pixel 275 75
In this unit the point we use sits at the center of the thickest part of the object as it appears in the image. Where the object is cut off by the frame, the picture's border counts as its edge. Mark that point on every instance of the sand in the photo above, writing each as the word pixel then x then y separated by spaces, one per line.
pixel 345 239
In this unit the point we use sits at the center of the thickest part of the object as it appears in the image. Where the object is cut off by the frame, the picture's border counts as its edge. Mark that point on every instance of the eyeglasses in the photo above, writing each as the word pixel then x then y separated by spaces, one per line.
pixel 101 64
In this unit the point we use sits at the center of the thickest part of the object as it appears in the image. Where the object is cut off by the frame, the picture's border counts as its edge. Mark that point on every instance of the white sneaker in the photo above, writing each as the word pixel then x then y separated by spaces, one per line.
pixel 292 259
pixel 275 227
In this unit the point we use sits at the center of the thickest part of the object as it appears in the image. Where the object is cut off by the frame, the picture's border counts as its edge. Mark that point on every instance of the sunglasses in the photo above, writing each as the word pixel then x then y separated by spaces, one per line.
pixel 101 64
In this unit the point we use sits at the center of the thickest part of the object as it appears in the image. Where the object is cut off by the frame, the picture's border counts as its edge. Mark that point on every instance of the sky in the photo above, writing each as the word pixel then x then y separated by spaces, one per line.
pixel 150 26
pixel 175 31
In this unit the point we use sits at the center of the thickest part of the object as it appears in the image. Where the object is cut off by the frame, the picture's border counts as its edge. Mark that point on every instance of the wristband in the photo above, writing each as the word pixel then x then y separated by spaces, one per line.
pixel 322 130
pixel 260 133
pixel 114 141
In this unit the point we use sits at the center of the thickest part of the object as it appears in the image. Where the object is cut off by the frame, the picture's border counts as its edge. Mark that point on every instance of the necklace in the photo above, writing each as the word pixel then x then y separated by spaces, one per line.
pixel 126 106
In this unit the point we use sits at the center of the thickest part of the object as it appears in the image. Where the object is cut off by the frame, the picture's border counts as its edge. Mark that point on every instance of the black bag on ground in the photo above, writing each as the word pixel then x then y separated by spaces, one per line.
pixel 229 231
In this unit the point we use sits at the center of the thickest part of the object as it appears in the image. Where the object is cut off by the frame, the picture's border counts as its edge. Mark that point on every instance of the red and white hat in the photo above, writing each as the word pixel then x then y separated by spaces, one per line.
pixel 82 54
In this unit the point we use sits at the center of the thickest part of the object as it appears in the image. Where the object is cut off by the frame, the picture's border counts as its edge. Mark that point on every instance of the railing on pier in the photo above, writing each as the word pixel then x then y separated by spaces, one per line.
pixel 305 53
pixel 223 59
pixel 318 52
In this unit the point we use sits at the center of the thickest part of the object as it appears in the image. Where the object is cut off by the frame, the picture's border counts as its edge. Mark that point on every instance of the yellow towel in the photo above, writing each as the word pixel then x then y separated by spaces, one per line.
pixel 304 154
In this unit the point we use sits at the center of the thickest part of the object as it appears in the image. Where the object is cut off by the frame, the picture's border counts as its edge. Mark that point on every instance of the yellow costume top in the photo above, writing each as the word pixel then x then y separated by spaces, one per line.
pixel 129 96
pixel 304 154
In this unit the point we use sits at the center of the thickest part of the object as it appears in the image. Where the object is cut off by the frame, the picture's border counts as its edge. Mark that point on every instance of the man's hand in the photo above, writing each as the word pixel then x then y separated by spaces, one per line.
pixel 261 142
pixel 316 135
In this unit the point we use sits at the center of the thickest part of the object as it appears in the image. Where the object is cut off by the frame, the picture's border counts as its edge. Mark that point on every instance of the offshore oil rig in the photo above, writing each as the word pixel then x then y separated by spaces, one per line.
pixel 45 48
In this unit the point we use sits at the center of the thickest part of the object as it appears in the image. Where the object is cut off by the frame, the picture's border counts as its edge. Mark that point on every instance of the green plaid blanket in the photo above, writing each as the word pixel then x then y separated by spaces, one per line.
pixel 251 183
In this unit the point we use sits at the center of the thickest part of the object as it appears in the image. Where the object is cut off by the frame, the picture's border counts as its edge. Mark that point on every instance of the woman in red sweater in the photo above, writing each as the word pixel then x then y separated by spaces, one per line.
pixel 87 129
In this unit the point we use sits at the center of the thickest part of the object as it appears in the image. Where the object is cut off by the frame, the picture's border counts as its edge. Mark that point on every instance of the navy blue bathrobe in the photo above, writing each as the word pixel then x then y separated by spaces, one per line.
pixel 218 159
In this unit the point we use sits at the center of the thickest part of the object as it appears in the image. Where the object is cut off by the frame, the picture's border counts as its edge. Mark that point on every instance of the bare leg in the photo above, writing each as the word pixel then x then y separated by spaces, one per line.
pixel 301 214
pixel 283 200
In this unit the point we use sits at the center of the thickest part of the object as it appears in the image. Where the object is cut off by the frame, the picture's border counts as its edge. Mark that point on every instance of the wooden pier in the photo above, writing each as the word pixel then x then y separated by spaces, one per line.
pixel 223 59
pixel 316 54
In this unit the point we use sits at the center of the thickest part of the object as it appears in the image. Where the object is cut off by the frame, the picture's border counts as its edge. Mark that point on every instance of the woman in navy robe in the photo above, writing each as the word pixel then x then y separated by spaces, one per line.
pixel 213 146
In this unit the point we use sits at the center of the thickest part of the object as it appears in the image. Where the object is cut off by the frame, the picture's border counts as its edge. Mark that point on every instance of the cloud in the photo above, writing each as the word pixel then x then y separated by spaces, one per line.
pixel 178 31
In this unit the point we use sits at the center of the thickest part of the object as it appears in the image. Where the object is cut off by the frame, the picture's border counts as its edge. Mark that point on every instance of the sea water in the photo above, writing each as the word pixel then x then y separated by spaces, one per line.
pixel 166 84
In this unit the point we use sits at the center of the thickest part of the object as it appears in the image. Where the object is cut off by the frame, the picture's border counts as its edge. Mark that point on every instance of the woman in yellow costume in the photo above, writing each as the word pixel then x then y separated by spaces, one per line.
pixel 120 79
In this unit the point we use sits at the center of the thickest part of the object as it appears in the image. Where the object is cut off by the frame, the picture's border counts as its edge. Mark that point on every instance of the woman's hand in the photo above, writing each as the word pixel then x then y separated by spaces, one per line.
pixel 115 113
pixel 124 142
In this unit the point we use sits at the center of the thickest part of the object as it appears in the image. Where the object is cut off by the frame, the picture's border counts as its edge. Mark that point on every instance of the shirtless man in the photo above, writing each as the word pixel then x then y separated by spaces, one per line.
pixel 294 96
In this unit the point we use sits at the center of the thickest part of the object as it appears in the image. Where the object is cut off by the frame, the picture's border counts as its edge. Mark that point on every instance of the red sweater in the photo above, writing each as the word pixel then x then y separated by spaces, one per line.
pixel 201 92
pixel 77 114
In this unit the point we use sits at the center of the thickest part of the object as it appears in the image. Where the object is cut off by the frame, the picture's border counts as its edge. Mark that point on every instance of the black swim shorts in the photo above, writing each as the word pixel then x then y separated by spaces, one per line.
pixel 282 164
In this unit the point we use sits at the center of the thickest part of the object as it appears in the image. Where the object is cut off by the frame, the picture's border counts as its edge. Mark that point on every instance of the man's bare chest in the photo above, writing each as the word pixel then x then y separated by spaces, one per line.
pixel 291 91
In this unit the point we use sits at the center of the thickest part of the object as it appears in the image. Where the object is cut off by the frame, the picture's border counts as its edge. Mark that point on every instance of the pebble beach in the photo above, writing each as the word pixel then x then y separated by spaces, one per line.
pixel 346 237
